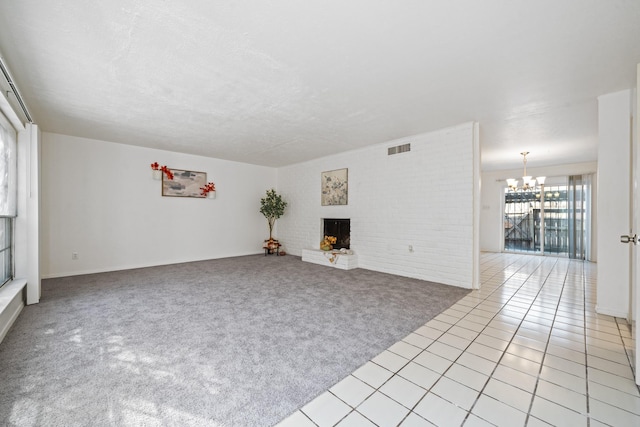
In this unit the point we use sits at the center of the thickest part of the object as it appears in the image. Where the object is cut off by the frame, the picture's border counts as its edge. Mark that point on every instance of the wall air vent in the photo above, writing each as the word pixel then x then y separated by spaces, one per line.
pixel 399 149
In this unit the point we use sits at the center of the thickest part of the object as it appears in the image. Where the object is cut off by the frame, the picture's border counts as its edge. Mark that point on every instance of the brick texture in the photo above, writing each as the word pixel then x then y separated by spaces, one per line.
pixel 422 198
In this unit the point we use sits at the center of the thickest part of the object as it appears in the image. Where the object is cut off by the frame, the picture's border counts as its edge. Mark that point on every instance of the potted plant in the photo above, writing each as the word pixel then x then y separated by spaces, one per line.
pixel 272 207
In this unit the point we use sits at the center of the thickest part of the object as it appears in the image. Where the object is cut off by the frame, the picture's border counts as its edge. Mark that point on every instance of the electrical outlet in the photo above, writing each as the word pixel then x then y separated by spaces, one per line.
pixel 74 255
pixel 411 248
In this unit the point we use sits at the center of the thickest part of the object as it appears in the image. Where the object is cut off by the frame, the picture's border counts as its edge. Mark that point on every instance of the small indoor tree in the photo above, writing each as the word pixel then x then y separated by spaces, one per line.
pixel 272 207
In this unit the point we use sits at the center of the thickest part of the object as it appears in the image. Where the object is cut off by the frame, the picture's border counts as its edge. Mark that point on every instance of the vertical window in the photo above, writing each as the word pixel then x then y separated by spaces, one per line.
pixel 522 221
pixel 8 194
pixel 556 219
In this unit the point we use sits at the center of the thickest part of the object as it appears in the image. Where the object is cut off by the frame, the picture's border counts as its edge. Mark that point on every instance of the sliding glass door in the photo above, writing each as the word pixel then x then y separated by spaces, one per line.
pixel 550 219
pixel 556 223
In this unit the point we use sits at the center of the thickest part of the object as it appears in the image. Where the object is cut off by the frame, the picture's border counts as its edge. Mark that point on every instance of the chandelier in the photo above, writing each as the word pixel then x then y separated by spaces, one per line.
pixel 528 183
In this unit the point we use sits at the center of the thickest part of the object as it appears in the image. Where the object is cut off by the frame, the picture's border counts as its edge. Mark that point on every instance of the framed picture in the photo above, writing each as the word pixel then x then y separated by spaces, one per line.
pixel 184 184
pixel 334 187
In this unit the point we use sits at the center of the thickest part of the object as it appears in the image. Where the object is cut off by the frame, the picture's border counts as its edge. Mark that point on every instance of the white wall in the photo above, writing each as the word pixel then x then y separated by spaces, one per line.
pixel 493 185
pixel 99 200
pixel 614 166
pixel 423 198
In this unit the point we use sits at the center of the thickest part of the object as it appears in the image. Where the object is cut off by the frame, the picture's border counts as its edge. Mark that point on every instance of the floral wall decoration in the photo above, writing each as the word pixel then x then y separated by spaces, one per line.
pixel 158 170
pixel 334 187
pixel 182 183
pixel 209 190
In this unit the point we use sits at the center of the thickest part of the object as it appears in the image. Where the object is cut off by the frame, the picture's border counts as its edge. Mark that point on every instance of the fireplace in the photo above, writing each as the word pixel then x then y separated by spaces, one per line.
pixel 339 228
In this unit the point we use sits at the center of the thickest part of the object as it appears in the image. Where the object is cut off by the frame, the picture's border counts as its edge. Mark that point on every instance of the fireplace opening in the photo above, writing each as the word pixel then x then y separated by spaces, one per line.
pixel 339 228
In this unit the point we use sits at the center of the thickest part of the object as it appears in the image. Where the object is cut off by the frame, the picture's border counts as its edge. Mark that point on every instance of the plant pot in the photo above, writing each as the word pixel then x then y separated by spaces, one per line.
pixel 156 174
pixel 326 247
pixel 211 194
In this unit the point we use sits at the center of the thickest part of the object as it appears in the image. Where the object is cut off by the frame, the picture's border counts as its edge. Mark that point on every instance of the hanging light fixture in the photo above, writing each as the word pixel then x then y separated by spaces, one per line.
pixel 528 182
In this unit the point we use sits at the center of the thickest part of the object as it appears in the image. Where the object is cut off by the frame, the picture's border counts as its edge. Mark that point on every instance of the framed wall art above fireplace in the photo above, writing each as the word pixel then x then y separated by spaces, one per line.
pixel 334 187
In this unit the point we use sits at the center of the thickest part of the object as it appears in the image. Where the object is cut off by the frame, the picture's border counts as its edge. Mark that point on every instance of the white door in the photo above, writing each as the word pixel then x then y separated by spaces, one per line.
pixel 614 203
pixel 634 297
pixel 618 208
pixel 632 238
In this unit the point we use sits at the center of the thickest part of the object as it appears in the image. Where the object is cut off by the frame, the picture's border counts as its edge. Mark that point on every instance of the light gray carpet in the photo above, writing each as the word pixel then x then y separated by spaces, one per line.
pixel 233 342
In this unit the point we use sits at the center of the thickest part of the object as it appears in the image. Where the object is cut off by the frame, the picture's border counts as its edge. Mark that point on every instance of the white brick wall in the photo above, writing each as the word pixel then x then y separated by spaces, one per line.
pixel 422 198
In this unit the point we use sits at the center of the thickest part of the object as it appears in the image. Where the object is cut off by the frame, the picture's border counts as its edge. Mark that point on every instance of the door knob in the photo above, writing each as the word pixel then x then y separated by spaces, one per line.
pixel 629 239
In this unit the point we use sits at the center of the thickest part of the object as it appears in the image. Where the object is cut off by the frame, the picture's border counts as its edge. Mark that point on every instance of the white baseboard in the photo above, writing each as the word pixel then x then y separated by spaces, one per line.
pixel 608 311
pixel 135 266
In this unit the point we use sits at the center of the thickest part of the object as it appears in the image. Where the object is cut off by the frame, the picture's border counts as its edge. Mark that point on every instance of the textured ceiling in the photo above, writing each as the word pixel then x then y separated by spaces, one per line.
pixel 279 82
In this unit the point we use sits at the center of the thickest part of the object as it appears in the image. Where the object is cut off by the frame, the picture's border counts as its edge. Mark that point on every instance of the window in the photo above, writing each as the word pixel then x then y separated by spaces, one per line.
pixel 8 194
pixel 6 270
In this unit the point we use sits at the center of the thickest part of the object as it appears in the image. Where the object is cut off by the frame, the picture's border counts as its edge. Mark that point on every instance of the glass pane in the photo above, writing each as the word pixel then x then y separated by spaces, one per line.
pixel 8 171
pixel 578 196
pixel 558 226
pixel 522 221
pixel 3 269
pixel 6 270
pixel 8 195
pixel 556 220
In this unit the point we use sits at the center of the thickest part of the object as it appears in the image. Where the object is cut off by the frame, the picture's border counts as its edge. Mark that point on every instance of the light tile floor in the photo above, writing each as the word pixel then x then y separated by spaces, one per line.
pixel 525 349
